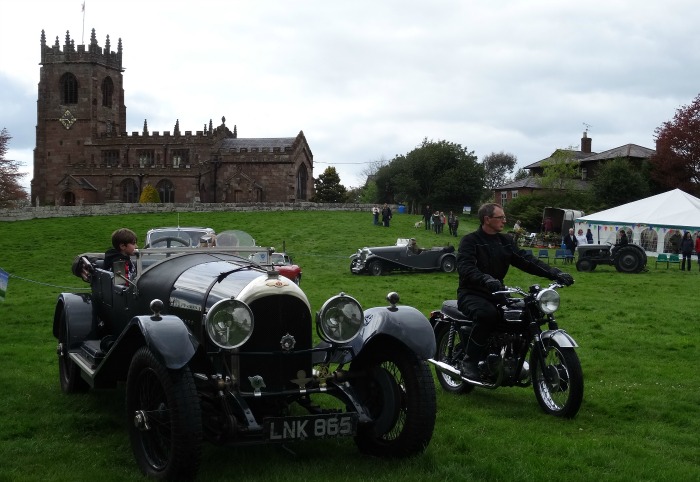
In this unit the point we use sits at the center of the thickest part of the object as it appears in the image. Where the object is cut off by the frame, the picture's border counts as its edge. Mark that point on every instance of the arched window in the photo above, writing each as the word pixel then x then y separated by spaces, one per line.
pixel 302 180
pixel 130 192
pixel 68 198
pixel 107 92
pixel 649 240
pixel 69 88
pixel 166 190
pixel 672 241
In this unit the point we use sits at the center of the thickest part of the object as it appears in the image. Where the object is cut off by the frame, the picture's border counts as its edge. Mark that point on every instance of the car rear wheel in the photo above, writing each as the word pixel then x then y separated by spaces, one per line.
pixel 69 372
pixel 164 418
pixel 448 264
pixel 376 268
pixel 397 389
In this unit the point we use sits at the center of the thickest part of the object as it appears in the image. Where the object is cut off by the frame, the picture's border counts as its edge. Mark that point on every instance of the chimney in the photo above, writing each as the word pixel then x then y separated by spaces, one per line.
pixel 586 143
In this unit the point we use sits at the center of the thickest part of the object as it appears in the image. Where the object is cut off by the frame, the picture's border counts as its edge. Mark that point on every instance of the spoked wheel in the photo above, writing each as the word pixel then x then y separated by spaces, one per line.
pixel 164 417
pixel 398 390
pixel 68 371
pixel 448 355
pixel 559 384
pixel 376 268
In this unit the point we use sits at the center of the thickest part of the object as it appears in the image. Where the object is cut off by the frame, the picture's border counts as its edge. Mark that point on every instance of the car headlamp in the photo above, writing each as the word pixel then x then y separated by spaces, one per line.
pixel 339 320
pixel 229 323
pixel 548 300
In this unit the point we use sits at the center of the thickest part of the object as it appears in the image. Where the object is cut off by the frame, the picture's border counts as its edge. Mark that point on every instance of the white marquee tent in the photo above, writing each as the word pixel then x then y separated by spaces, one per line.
pixel 655 223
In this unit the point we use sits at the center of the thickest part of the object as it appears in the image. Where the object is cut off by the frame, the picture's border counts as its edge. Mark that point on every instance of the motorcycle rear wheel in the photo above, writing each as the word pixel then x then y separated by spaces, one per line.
pixel 447 382
pixel 560 393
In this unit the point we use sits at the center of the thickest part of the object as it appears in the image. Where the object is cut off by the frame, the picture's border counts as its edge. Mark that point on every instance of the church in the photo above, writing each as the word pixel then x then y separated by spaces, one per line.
pixel 84 155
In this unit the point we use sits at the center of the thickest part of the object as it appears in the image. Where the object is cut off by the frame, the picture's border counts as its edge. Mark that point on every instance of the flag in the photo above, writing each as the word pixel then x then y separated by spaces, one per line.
pixel 3 284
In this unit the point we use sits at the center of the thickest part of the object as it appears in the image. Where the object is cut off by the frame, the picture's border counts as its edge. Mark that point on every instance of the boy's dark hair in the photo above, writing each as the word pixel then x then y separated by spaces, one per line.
pixel 123 236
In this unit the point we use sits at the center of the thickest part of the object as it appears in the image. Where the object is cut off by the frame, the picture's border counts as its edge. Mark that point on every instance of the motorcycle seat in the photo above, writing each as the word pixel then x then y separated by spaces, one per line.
pixel 449 307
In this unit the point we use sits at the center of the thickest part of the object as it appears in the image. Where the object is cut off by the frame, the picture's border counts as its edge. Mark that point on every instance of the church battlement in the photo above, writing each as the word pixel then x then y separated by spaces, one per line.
pixel 83 53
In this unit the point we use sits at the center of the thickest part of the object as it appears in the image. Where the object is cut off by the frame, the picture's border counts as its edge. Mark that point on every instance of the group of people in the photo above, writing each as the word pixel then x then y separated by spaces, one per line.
pixel 573 241
pixel 385 212
pixel 436 221
pixel 687 247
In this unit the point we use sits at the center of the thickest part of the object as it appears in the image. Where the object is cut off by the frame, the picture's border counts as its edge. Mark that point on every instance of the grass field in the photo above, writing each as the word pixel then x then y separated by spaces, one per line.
pixel 639 349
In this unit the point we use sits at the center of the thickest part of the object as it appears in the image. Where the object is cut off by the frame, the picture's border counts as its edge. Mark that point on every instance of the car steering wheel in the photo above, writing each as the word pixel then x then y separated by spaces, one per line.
pixel 169 240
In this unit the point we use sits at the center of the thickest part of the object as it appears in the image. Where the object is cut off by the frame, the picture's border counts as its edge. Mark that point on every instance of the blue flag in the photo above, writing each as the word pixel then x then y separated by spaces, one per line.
pixel 3 284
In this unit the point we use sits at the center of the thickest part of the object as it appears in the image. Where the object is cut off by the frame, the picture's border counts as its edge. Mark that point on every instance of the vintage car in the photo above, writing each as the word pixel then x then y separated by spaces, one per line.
pixel 403 256
pixel 213 347
pixel 280 262
pixel 196 237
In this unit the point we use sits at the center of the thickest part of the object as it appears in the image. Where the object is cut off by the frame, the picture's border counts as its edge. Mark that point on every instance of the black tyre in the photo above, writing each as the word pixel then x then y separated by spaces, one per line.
pixel 376 268
pixel 585 265
pixel 68 371
pixel 630 260
pixel 560 393
pixel 448 264
pixel 164 418
pixel 397 389
pixel 448 355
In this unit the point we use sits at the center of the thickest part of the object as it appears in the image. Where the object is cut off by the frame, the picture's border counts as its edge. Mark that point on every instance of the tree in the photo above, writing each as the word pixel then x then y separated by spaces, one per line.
pixel 11 192
pixel 149 195
pixel 676 163
pixel 328 187
pixel 560 171
pixel 439 173
pixel 497 167
pixel 521 174
pixel 618 182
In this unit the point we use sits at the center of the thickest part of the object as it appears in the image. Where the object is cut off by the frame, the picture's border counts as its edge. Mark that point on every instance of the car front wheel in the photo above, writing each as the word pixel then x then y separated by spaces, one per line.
pixel 397 389
pixel 164 418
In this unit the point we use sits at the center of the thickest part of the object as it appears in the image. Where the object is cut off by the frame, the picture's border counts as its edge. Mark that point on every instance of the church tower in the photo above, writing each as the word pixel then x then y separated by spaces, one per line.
pixel 80 99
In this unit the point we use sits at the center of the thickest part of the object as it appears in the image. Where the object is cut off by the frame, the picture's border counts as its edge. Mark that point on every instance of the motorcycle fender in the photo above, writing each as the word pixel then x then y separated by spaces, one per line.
pixel 168 338
pixel 560 337
pixel 79 320
pixel 404 323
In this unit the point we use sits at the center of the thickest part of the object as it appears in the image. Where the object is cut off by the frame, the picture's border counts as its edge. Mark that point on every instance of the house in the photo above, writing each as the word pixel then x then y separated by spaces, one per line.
pixel 589 163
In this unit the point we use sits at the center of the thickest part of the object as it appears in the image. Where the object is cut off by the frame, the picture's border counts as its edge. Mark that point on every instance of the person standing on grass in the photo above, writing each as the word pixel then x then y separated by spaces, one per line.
pixel 697 247
pixel 686 250
pixel 386 215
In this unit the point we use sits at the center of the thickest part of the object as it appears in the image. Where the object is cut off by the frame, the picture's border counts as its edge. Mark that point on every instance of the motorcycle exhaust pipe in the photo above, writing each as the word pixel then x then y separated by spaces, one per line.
pixel 445 368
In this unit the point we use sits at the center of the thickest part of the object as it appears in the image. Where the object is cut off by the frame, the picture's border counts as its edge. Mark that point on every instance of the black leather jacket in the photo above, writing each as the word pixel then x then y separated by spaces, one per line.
pixel 484 256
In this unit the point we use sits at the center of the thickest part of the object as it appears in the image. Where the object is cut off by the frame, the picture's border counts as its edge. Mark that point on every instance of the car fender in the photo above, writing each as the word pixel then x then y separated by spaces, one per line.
pixel 404 323
pixel 560 337
pixel 79 317
pixel 168 338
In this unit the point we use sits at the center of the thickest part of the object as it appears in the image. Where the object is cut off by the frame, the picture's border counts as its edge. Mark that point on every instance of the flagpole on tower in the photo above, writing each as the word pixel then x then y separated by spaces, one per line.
pixel 83 34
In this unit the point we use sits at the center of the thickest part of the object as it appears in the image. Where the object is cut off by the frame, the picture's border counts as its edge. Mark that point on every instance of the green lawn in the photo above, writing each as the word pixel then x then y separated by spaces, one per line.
pixel 639 349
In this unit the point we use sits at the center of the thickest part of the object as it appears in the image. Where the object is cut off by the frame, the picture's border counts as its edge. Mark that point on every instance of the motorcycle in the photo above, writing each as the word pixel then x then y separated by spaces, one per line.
pixel 518 353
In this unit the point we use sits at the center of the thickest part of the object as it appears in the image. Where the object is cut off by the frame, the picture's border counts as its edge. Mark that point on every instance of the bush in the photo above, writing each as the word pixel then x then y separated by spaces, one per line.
pixel 149 195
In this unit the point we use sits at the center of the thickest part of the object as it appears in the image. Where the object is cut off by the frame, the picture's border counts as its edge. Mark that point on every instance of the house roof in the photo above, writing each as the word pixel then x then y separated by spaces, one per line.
pixel 578 155
pixel 257 142
pixel 532 182
pixel 628 150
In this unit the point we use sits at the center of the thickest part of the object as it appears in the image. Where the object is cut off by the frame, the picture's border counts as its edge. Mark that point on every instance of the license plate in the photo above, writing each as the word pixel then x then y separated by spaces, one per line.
pixel 310 426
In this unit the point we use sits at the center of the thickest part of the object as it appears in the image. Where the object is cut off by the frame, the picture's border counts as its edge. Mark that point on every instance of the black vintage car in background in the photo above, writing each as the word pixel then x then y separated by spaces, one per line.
pixel 213 347
pixel 403 257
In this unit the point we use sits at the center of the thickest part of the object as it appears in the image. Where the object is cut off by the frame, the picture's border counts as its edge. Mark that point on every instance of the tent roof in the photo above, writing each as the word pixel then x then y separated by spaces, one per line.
pixel 672 209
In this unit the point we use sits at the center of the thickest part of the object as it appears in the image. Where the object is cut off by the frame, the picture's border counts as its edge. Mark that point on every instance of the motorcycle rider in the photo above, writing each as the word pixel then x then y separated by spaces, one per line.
pixel 483 259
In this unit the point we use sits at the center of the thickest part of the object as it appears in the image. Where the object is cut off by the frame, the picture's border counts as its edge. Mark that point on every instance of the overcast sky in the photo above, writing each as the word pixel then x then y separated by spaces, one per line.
pixel 367 80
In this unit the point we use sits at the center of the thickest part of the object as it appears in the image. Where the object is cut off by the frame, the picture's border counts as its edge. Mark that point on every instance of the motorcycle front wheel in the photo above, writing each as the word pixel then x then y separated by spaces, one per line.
pixel 558 384
pixel 451 356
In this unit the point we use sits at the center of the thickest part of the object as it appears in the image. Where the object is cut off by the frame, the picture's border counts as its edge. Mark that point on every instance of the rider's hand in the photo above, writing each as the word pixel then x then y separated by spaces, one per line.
pixel 565 279
pixel 493 285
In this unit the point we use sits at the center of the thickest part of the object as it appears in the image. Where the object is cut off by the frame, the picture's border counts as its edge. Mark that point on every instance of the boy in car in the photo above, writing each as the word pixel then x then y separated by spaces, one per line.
pixel 123 247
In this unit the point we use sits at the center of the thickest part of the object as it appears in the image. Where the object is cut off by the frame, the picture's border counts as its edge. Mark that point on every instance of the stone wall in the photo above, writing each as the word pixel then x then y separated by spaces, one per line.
pixel 25 213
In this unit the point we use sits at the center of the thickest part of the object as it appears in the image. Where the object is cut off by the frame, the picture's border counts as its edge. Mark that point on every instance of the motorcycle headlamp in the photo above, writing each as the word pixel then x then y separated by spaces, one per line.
pixel 339 320
pixel 548 300
pixel 229 323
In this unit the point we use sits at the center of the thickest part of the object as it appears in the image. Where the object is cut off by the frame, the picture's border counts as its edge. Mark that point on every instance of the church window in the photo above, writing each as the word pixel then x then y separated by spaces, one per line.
pixel 107 92
pixel 166 190
pixel 110 157
pixel 302 181
pixel 69 88
pixel 130 192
